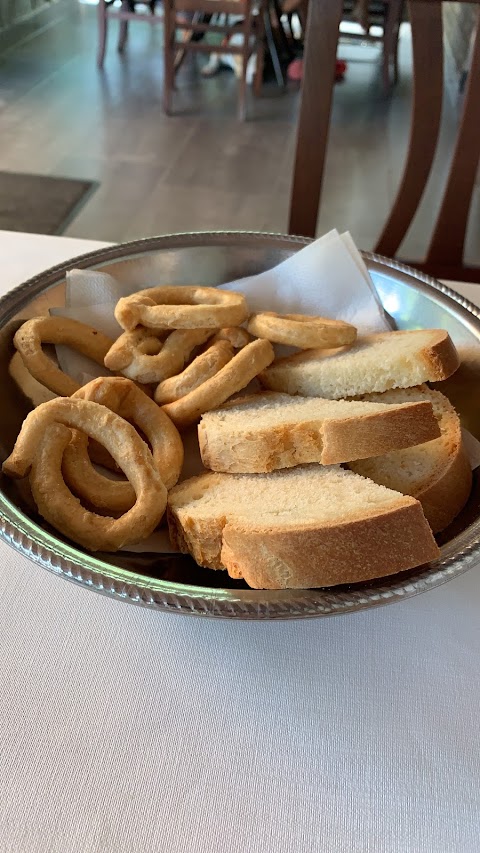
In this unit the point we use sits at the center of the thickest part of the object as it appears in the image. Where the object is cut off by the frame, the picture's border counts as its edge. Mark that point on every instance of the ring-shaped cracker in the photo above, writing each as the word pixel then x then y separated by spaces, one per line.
pixel 236 335
pixel 203 367
pixel 182 307
pixel 128 351
pixel 125 399
pixel 301 330
pixel 129 345
pixel 39 451
pixel 33 333
pixel 83 479
pixel 242 368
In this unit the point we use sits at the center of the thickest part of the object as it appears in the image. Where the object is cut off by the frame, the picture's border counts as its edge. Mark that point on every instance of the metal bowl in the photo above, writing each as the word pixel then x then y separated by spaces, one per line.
pixel 174 582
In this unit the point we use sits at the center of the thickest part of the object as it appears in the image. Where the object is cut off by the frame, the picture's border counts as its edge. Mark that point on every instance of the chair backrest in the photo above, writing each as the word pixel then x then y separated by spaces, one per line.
pixel 444 258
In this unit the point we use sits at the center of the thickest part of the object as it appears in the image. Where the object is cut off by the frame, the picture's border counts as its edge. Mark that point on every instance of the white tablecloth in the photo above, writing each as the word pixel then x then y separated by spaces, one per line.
pixel 129 731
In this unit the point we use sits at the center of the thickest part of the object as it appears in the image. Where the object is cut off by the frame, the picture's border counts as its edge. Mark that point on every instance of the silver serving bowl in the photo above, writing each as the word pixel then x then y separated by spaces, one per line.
pixel 174 582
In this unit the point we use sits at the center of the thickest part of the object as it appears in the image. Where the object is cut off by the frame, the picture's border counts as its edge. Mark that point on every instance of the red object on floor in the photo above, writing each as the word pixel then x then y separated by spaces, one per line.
pixel 295 69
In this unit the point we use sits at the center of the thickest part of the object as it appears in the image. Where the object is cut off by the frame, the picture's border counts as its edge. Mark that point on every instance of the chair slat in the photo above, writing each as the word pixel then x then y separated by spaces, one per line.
pixel 427 44
pixel 313 125
pixel 448 238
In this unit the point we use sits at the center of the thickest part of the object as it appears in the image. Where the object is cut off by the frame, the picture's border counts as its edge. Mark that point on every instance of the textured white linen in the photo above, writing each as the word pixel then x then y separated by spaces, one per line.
pixel 130 731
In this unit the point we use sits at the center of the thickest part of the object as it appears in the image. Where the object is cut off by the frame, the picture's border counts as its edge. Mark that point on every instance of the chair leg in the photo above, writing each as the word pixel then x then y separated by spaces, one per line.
pixel 272 47
pixel 290 25
pixel 390 42
pixel 395 57
pixel 246 52
pixel 122 32
pixel 260 53
pixel 169 54
pixel 282 36
pixel 102 18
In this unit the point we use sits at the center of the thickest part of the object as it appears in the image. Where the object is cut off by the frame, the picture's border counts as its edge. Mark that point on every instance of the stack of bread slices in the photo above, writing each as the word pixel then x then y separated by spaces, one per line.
pixel 340 471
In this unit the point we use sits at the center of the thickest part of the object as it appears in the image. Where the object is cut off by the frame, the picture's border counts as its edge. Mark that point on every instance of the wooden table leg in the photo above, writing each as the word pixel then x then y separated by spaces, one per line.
pixel 319 57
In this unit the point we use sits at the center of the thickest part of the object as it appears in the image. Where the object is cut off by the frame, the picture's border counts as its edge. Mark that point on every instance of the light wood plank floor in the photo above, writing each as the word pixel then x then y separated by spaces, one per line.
pixel 201 169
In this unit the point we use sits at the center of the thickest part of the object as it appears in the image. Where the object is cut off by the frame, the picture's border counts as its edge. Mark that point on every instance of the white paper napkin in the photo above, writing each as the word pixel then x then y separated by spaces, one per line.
pixel 327 277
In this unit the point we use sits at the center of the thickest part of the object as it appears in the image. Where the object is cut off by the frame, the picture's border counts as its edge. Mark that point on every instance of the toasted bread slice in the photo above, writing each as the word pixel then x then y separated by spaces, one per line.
pixel 375 363
pixel 264 432
pixel 438 473
pixel 310 526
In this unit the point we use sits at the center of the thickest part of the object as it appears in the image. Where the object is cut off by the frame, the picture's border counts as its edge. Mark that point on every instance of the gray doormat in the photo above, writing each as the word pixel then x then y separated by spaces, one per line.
pixel 40 204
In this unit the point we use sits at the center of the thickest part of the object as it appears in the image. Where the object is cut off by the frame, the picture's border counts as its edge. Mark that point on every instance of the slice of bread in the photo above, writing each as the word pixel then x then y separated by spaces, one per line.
pixel 264 432
pixel 375 363
pixel 437 473
pixel 310 526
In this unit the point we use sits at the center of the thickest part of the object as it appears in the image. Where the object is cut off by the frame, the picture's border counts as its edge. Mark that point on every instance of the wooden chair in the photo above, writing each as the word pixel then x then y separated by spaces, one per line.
pixel 106 11
pixel 445 254
pixel 387 15
pixel 195 17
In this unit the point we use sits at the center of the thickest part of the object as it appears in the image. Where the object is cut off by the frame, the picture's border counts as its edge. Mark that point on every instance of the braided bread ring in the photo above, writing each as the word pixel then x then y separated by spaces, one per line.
pixel 243 367
pixel 301 330
pixel 186 307
pixel 39 450
pixel 31 335
pixel 127 351
pixel 125 399
pixel 203 367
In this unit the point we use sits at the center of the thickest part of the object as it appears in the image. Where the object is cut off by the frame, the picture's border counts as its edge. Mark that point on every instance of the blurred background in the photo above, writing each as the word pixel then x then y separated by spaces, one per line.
pixel 131 170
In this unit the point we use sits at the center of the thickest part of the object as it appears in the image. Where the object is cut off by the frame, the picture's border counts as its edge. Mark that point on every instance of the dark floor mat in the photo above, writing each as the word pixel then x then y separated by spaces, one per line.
pixel 40 204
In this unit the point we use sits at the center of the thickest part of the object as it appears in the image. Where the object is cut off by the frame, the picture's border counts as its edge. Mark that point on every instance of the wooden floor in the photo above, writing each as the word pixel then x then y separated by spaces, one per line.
pixel 200 169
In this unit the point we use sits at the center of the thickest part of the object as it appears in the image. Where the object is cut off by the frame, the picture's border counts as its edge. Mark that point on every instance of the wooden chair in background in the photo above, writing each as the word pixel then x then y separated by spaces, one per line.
pixel 445 254
pixel 195 17
pixel 107 11
pixel 387 16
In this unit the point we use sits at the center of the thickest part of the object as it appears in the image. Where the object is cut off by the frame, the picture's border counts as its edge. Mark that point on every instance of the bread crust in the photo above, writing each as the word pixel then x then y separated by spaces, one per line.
pixel 328 441
pixel 444 493
pixel 446 496
pixel 332 555
pixel 441 356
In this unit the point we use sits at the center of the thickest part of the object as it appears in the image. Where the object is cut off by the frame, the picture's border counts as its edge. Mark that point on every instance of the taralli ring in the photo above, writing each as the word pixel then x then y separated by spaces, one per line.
pixel 301 330
pixel 83 479
pixel 181 308
pixel 243 367
pixel 39 452
pixel 125 399
pixel 203 367
pixel 33 390
pixel 131 345
pixel 31 335
pixel 236 335
pixel 128 353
